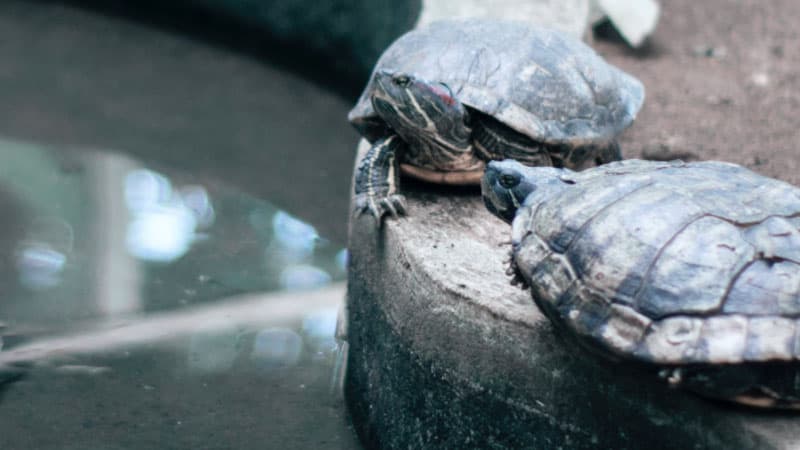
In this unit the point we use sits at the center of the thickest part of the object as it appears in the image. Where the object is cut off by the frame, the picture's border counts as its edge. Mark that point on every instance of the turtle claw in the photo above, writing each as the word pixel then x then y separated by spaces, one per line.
pixel 513 271
pixel 517 280
pixel 393 204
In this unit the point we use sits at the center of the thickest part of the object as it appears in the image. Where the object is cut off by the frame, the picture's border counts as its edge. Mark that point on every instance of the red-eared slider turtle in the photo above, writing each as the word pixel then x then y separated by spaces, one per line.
pixel 447 97
pixel 692 269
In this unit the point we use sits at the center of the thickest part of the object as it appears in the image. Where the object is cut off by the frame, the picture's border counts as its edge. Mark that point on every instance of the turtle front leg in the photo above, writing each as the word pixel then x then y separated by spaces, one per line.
pixel 378 178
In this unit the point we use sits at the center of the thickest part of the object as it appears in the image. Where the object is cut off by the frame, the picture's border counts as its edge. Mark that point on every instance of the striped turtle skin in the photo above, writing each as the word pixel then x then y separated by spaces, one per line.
pixel 692 269
pixel 445 98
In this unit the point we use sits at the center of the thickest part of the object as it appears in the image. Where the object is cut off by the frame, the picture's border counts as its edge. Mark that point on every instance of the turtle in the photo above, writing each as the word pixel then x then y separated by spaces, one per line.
pixel 688 270
pixel 445 98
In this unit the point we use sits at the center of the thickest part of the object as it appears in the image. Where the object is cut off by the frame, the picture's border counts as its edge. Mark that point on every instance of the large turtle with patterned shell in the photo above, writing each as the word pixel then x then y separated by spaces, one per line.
pixel 445 98
pixel 691 269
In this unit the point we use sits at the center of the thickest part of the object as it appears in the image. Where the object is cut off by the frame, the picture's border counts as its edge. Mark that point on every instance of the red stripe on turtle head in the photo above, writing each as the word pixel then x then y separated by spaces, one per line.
pixel 443 93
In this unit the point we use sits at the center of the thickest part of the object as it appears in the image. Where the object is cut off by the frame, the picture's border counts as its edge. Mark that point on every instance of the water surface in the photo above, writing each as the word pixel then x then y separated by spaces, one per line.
pixel 172 224
pixel 161 313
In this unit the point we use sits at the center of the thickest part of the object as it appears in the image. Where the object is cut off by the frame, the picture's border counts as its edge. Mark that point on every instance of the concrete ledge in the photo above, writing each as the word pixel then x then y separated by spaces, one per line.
pixel 444 353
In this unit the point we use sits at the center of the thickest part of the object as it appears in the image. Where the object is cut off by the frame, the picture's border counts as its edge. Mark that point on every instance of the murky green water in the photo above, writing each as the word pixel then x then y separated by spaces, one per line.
pixel 180 289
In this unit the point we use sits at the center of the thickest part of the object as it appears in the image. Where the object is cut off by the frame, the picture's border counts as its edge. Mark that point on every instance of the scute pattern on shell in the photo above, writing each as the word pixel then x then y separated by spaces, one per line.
pixel 540 82
pixel 667 263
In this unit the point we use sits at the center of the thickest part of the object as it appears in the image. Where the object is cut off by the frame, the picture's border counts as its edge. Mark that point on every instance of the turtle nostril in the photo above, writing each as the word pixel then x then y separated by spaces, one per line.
pixel 401 80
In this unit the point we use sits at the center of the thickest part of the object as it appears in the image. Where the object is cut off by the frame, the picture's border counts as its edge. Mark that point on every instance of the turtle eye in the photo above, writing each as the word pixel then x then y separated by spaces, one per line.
pixel 401 80
pixel 509 180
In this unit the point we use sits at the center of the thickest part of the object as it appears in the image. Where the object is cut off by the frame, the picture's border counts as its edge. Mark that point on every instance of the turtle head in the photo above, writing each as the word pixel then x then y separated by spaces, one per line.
pixel 506 184
pixel 413 107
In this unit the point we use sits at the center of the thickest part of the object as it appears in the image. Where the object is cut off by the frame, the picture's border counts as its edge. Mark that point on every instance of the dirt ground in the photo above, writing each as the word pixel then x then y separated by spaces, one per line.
pixel 723 82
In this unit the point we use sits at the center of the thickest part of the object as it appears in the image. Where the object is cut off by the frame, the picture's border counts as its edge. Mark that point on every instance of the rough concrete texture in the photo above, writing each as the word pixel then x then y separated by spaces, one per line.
pixel 570 16
pixel 445 353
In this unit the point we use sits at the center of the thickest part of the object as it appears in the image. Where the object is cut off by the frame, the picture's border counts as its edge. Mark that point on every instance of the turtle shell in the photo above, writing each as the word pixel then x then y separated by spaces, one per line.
pixel 538 81
pixel 670 264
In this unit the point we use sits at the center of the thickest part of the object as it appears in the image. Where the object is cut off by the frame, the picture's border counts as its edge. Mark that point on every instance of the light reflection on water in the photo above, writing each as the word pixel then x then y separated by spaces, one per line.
pixel 293 235
pixel 42 254
pixel 132 278
pixel 164 221
pixel 320 328
pixel 303 276
pixel 39 265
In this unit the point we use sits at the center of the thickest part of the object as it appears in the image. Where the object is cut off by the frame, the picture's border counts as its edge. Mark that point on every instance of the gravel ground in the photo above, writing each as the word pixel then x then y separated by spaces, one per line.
pixel 723 82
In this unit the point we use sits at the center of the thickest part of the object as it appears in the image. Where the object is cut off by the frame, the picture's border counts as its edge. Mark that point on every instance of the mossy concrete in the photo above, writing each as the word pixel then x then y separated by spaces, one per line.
pixel 445 353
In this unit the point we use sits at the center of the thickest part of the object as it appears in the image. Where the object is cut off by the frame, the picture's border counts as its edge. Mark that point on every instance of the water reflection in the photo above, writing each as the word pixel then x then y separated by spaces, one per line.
pixel 41 256
pixel 341 260
pixel 320 329
pixel 99 218
pixel 303 276
pixel 145 189
pixel 144 284
pixel 196 199
pixel 165 221
pixel 292 252
pixel 295 236
pixel 276 347
pixel 39 265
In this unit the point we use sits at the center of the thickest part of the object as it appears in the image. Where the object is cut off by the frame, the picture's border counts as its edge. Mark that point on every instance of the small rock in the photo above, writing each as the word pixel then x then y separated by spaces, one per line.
pixel 709 51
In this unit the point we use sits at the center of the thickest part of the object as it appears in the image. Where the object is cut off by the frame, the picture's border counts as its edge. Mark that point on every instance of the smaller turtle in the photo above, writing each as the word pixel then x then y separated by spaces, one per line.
pixel 690 269
pixel 445 98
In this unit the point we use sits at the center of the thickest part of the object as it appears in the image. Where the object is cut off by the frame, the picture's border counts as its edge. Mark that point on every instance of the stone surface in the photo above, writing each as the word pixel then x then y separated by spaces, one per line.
pixel 444 353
